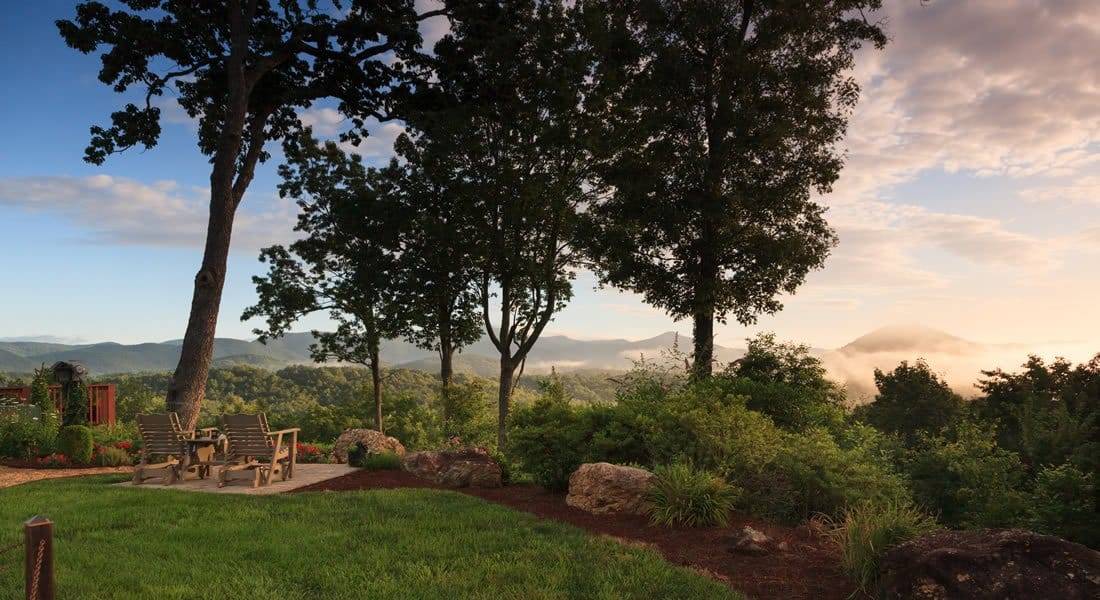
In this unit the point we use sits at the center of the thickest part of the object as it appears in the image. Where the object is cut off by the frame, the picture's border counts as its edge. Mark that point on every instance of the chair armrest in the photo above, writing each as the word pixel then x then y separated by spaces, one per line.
pixel 281 431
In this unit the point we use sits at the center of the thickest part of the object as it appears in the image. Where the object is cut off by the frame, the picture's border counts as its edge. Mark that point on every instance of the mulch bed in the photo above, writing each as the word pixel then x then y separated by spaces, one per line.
pixel 808 570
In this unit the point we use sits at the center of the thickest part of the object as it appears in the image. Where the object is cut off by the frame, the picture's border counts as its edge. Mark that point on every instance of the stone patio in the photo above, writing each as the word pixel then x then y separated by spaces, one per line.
pixel 304 474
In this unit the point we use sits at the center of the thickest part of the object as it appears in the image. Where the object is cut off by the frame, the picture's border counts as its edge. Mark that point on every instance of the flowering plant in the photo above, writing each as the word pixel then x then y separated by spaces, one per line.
pixel 311 453
pixel 54 460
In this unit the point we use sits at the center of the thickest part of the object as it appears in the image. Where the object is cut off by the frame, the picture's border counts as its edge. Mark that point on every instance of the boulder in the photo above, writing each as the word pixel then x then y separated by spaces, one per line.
pixel 754 542
pixel 463 467
pixel 601 488
pixel 1010 563
pixel 374 441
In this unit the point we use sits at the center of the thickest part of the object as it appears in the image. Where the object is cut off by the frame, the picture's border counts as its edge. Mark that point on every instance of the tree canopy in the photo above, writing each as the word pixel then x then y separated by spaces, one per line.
pixel 716 121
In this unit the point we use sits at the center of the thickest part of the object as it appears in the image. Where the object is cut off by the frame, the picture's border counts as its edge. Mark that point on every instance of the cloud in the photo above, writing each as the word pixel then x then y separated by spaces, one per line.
pixel 116 210
pixel 325 121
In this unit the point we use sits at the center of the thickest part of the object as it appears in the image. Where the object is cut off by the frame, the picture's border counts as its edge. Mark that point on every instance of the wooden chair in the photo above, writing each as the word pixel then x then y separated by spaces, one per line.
pixel 161 438
pixel 256 450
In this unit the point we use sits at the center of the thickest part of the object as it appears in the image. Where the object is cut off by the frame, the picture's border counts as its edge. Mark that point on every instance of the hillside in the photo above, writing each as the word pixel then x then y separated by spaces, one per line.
pixel 552 351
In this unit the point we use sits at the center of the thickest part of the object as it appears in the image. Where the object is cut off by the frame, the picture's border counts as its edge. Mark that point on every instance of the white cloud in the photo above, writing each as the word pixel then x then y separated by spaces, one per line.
pixel 116 210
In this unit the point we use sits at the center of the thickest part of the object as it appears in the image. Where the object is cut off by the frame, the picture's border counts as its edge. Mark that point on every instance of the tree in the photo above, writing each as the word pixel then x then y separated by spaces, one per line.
pixel 435 277
pixel 912 400
pixel 243 68
pixel 40 397
pixel 715 119
pixel 505 100
pixel 345 263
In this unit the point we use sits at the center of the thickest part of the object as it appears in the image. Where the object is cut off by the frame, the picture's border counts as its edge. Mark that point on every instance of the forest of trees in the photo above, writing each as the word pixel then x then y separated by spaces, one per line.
pixel 674 149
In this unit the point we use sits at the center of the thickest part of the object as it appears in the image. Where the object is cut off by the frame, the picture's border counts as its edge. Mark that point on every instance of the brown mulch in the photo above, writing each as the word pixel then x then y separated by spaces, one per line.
pixel 808 570
pixel 10 475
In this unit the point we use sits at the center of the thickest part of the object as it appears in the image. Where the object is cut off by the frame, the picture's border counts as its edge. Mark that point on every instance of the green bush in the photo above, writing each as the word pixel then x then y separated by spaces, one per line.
pixel 812 473
pixel 866 531
pixel 680 495
pixel 24 435
pixel 386 461
pixel 76 443
pixel 967 480
pixel 109 456
pixel 1063 503
pixel 547 440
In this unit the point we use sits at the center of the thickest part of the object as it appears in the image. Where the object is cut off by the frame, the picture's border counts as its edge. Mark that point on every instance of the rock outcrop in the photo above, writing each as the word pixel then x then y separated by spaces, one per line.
pixel 601 488
pixel 465 467
pixel 374 441
pixel 1009 563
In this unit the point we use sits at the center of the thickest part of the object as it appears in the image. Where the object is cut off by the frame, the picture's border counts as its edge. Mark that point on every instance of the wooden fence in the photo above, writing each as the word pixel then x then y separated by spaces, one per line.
pixel 101 400
pixel 37 558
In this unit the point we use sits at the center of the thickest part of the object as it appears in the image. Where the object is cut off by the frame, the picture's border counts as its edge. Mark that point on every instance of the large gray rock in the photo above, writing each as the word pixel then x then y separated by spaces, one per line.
pixel 601 488
pixel 465 467
pixel 374 441
pixel 990 564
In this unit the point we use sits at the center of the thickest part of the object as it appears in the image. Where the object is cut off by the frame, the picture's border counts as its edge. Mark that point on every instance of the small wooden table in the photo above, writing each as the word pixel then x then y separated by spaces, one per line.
pixel 199 452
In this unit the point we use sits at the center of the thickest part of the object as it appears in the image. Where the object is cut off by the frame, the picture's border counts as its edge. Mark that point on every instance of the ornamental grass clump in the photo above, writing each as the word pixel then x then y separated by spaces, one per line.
pixel 867 531
pixel 681 495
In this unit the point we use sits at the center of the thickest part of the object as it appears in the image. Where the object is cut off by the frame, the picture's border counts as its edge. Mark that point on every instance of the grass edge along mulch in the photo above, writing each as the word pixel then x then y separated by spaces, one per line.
pixel 810 570
pixel 120 542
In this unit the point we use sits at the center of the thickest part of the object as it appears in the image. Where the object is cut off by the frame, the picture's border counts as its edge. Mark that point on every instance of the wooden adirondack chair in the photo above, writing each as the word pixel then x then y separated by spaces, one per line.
pixel 161 438
pixel 256 450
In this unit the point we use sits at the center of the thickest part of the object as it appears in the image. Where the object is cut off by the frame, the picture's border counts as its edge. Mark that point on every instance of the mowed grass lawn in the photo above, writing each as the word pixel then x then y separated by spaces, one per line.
pixel 114 542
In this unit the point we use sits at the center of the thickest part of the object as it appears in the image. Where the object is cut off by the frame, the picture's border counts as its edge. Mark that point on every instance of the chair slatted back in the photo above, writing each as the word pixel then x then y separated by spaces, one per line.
pixel 247 435
pixel 161 434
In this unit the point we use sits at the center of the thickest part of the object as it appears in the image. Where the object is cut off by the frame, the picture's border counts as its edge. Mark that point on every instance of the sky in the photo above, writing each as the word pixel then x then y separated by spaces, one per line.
pixel 969 201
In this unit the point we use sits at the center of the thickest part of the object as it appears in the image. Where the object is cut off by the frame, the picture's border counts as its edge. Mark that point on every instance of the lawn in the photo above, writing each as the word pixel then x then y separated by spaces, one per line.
pixel 114 542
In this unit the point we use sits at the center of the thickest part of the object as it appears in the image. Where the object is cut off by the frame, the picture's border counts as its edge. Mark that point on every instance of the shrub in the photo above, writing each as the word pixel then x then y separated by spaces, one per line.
pixel 119 435
pixel 967 479
pixel 24 435
pixel 813 474
pixel 681 495
pixel 52 461
pixel 866 531
pixel 75 442
pixel 546 439
pixel 385 461
pixel 110 456
pixel 1063 503
pixel 314 453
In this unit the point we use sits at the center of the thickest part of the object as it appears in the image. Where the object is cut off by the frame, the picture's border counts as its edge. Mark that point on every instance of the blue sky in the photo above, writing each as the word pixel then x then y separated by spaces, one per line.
pixel 968 203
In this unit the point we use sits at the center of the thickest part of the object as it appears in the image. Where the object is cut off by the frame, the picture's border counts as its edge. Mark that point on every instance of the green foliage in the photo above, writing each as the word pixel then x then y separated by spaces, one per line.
pixel 76 404
pixel 786 383
pixel 912 400
pixel 681 495
pixel 709 213
pixel 967 479
pixel 468 409
pixel 866 531
pixel 813 474
pixel 386 461
pixel 109 456
pixel 40 397
pixel 76 443
pixel 24 435
pixel 546 439
pixel 119 433
pixel 1063 503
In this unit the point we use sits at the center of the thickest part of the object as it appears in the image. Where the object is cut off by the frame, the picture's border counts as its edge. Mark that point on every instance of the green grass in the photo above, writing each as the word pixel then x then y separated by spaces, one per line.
pixel 867 531
pixel 121 542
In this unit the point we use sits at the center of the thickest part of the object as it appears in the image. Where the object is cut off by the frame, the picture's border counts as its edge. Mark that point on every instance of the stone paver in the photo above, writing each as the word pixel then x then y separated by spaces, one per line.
pixel 303 475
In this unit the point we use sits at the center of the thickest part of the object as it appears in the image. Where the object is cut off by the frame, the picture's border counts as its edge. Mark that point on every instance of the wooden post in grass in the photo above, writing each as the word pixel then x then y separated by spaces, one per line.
pixel 38 539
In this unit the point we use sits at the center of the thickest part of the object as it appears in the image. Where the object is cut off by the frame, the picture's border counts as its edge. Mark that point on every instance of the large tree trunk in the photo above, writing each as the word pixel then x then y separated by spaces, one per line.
pixel 504 398
pixel 703 334
pixel 188 386
pixel 376 384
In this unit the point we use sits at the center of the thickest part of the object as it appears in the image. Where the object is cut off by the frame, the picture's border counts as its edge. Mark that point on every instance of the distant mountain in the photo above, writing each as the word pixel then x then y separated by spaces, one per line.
pixel 909 338
pixel 480 358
